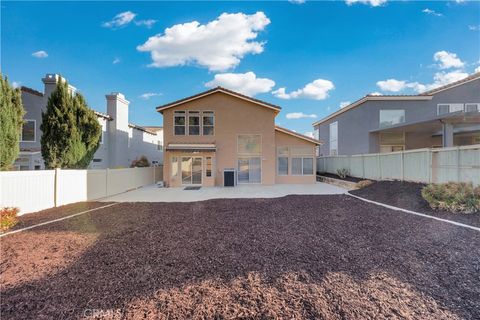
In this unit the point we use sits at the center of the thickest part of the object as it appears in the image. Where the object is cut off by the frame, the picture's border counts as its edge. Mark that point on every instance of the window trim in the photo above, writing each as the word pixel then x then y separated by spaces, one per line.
pixel 34 131
pixel 303 174
pixel 207 113
pixel 278 166
pixel 249 154
pixel 211 167
pixel 391 125
pixel 449 108
pixel 330 138
pixel 472 103
pixel 195 114
pixel 180 113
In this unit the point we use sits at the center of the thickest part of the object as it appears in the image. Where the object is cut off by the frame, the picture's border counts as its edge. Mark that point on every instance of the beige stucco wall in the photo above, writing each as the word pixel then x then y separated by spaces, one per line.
pixel 233 116
pixel 287 140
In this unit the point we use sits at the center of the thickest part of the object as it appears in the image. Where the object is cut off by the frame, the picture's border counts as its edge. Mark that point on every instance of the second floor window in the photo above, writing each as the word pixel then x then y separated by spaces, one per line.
pixel 391 117
pixel 28 131
pixel 194 123
pixel 208 123
pixel 179 123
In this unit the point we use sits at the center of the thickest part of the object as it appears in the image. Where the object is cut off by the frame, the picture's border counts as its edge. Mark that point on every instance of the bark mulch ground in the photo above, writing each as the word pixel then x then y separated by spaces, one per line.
pixel 31 219
pixel 347 178
pixel 302 257
pixel 407 195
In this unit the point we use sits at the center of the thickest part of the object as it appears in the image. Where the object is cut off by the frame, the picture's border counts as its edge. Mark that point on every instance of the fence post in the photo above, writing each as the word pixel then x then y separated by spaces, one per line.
pixel 403 165
pixel 55 187
pixel 379 166
pixel 363 166
pixel 106 182
pixel 430 161
pixel 458 164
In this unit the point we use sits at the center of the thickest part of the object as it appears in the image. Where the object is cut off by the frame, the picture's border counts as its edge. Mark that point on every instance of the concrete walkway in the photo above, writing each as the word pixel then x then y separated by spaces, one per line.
pixel 156 194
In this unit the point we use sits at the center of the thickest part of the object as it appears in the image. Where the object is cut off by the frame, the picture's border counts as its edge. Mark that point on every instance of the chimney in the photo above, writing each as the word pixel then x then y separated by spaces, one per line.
pixel 50 83
pixel 117 108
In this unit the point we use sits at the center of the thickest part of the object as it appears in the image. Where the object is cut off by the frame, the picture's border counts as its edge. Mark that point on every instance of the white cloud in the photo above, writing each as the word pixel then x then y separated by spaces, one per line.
pixel 447 60
pixel 116 60
pixel 297 1
pixel 40 54
pixel 432 12
pixel 120 20
pixel 343 104
pixel 317 90
pixel 218 45
pixel 391 85
pixel 474 28
pixel 373 3
pixel 443 78
pixel 376 93
pixel 149 95
pixel 246 83
pixel 147 23
pixel 300 115
pixel 477 69
pixel 16 84
pixel 309 134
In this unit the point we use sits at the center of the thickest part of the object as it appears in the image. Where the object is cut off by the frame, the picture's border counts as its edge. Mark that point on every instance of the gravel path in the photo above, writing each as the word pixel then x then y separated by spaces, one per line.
pixel 302 257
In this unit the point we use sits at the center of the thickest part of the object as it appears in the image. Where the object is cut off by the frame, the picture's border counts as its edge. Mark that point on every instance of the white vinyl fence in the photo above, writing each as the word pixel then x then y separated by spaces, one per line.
pixel 37 190
pixel 458 164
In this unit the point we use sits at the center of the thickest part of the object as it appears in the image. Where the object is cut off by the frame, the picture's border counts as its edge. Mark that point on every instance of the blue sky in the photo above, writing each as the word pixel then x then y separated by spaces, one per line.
pixel 308 58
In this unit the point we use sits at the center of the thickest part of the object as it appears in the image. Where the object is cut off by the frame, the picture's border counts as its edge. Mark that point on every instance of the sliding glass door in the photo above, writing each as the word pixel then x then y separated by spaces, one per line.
pixel 191 170
pixel 249 170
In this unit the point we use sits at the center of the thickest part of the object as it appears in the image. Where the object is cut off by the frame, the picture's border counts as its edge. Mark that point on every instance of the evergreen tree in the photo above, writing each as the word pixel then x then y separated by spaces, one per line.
pixel 70 130
pixel 11 121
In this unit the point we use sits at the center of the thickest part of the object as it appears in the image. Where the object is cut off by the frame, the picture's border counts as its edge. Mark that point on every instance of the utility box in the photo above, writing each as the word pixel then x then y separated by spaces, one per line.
pixel 229 177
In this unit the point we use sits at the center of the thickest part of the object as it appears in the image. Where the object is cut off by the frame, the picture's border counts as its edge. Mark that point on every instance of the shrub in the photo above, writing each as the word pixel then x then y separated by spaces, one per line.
pixel 363 184
pixel 140 162
pixel 8 218
pixel 343 173
pixel 453 197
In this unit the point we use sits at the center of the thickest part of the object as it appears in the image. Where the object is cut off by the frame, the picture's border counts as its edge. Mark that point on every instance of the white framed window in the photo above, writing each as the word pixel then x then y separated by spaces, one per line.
pixel 302 166
pixel 472 107
pixel 193 123
pixel 174 163
pixel 179 123
pixel 159 145
pixel 333 138
pixel 208 123
pixel 249 144
pixel 29 131
pixel 444 108
pixel 391 117
pixel 282 166
pixel 208 166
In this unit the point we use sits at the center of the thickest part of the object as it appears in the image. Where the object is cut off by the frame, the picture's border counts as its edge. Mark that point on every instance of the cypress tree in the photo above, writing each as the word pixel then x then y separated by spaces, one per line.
pixel 65 144
pixel 11 122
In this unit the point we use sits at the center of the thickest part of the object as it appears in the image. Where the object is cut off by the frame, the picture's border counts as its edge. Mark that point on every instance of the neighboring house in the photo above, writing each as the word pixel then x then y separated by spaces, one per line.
pixel 444 117
pixel 120 143
pixel 220 137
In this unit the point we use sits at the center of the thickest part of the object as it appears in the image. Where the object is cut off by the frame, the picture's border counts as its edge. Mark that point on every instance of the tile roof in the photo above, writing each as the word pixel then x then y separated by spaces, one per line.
pixel 298 135
pixel 453 84
pixel 31 91
pixel 213 90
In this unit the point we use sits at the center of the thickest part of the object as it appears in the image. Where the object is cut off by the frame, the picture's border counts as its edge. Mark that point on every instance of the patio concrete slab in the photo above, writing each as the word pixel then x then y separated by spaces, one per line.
pixel 155 194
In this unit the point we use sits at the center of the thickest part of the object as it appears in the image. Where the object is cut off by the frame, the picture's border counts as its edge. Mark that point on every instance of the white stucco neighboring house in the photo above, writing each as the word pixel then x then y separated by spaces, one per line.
pixel 121 141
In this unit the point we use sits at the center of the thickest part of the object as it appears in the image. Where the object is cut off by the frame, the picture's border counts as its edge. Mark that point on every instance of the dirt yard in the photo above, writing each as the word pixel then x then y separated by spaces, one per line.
pixel 407 195
pixel 302 257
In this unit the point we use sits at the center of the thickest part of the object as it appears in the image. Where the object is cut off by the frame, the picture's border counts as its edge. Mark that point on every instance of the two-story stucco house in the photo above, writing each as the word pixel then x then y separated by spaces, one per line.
pixel 444 117
pixel 220 137
pixel 121 142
